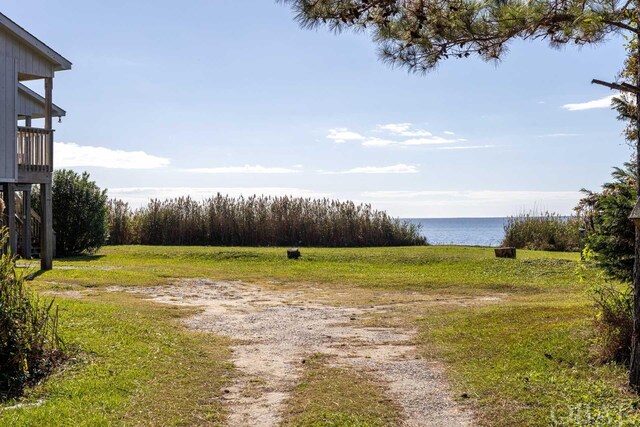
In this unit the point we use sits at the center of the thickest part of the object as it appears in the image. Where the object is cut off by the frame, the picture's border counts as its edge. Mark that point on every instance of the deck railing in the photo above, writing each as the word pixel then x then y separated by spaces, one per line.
pixel 35 149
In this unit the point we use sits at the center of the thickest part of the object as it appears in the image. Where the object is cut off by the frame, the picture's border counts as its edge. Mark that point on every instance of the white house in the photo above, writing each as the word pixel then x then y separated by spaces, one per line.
pixel 26 152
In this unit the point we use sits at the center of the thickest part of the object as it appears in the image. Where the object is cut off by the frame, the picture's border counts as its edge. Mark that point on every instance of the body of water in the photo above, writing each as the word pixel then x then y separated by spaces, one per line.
pixel 462 231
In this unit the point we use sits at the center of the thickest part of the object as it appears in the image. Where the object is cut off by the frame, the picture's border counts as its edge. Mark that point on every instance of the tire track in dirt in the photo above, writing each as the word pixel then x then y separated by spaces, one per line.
pixel 274 331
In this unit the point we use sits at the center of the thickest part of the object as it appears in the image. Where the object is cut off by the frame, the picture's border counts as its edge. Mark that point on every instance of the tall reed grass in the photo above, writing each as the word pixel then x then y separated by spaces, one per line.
pixel 545 231
pixel 259 221
pixel 29 342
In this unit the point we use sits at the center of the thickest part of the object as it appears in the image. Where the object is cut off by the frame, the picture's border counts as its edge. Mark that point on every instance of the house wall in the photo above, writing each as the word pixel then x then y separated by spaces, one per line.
pixel 8 95
pixel 27 106
pixel 31 65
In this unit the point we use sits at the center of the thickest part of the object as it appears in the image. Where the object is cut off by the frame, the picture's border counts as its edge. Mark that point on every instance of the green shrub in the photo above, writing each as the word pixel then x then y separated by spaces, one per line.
pixel 543 231
pixel 614 322
pixel 79 213
pixel 611 235
pixel 610 244
pixel 29 343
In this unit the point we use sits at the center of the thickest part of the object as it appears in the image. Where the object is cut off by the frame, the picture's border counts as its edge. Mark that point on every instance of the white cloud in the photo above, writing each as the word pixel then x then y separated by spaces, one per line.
pixel 403 129
pixel 399 168
pixel 558 135
pixel 378 142
pixel 397 134
pixel 466 147
pixel 445 203
pixel 486 195
pixel 74 155
pixel 590 105
pixel 395 127
pixel 448 132
pixel 246 169
pixel 430 141
pixel 342 135
pixel 140 196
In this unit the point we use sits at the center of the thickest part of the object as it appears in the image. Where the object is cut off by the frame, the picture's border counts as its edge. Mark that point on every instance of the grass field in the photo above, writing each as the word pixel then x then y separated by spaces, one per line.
pixel 523 359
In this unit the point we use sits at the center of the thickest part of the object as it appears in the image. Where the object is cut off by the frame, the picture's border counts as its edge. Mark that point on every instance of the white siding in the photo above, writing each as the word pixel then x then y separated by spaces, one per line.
pixel 8 144
pixel 27 106
pixel 30 63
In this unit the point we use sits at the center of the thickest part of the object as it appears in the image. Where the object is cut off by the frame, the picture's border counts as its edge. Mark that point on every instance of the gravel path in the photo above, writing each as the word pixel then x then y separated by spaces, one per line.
pixel 274 331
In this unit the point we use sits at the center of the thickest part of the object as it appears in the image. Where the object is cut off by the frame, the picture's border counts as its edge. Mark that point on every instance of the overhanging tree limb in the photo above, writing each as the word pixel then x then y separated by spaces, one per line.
pixel 622 25
pixel 622 87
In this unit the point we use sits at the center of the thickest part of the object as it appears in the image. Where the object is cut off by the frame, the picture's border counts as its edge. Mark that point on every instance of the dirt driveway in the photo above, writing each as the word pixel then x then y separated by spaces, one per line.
pixel 274 331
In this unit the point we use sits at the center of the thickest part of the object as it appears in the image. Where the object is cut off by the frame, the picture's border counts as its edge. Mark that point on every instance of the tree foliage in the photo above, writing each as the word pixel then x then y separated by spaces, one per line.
pixel 79 213
pixel 120 223
pixel 418 34
pixel 611 235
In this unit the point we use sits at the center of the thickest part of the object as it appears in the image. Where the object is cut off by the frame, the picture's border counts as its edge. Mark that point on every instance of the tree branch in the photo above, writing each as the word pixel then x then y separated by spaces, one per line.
pixel 622 87
pixel 622 25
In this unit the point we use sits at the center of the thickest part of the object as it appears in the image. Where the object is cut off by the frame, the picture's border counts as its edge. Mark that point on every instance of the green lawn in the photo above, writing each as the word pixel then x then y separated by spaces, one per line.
pixel 524 359
pixel 131 364
pixel 445 269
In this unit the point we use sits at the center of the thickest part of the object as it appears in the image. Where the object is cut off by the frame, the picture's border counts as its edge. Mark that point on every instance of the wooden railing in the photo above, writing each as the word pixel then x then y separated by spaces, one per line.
pixel 35 149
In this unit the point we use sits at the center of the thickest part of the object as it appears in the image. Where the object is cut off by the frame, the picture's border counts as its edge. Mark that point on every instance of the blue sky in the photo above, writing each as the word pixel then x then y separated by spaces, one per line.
pixel 168 98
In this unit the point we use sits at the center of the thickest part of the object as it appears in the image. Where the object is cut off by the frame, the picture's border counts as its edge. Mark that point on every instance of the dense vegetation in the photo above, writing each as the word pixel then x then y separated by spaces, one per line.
pixel 611 234
pixel 610 245
pixel 29 343
pixel 543 231
pixel 258 221
pixel 79 213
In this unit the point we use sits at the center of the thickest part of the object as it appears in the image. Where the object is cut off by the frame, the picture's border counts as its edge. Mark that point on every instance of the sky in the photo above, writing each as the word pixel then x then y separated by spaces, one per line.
pixel 198 97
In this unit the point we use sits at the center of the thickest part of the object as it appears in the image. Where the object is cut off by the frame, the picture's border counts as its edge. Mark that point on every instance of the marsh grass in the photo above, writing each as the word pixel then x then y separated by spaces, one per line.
pixel 544 231
pixel 259 221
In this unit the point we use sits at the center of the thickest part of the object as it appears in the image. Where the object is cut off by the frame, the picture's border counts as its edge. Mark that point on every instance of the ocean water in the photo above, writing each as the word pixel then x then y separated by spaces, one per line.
pixel 462 231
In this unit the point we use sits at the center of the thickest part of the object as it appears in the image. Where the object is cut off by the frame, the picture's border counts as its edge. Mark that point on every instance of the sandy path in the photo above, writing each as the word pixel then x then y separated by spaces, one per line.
pixel 275 331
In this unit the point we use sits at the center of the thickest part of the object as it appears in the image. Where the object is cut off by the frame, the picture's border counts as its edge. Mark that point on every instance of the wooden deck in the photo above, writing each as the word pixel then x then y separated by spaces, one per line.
pixel 35 150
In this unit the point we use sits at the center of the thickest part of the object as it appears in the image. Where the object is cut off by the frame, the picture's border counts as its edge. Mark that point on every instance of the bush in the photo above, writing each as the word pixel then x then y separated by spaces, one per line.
pixel 261 221
pixel 79 213
pixel 543 231
pixel 611 234
pixel 611 244
pixel 29 342
pixel 614 323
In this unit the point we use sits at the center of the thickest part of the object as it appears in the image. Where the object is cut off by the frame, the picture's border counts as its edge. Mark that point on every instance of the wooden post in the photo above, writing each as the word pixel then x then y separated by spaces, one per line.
pixel 26 227
pixel 27 121
pixel 46 227
pixel 8 192
pixel 48 119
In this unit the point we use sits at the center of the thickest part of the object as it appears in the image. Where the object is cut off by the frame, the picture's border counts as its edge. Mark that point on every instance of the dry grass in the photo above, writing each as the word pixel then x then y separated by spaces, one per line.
pixel 259 221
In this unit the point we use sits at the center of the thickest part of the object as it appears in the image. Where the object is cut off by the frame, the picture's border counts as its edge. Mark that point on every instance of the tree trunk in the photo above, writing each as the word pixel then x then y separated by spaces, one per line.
pixel 634 371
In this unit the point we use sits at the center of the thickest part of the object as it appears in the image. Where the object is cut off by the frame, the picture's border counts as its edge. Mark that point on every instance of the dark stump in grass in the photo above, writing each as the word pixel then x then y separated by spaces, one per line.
pixel 293 253
pixel 505 252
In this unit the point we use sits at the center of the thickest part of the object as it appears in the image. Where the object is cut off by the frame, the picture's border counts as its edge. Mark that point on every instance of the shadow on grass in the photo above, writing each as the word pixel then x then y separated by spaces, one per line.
pixel 80 258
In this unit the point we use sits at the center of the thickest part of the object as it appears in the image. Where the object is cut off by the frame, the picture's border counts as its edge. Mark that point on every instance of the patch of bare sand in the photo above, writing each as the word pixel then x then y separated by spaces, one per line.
pixel 274 331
